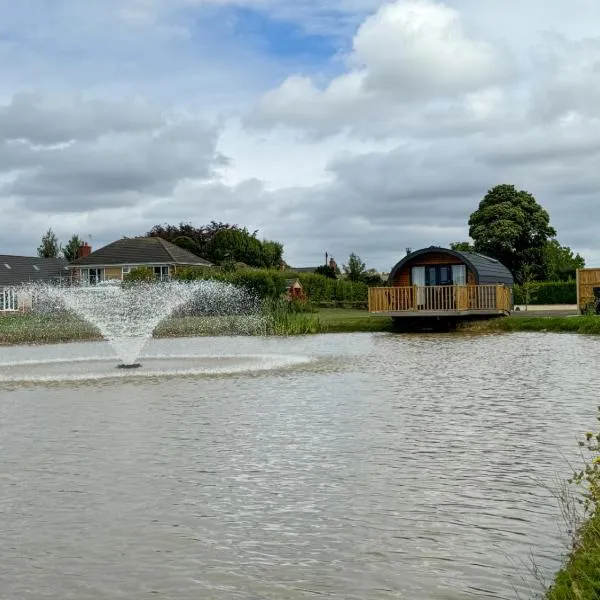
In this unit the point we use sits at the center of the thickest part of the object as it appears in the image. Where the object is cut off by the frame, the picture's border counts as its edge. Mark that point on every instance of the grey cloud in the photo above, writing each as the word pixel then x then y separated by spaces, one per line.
pixel 101 167
pixel 28 117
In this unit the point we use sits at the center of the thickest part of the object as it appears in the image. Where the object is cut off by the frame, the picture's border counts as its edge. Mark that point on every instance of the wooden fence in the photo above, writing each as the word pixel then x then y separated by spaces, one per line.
pixel 440 298
pixel 587 280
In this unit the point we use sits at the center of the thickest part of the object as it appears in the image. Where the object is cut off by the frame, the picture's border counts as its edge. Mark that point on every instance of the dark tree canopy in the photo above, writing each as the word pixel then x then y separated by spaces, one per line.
pixel 561 262
pixel 50 246
pixel 511 226
pixel 72 247
pixel 222 243
pixel 326 271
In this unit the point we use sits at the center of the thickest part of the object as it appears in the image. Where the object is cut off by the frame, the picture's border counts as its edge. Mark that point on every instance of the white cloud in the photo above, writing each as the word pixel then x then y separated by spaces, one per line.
pixel 409 51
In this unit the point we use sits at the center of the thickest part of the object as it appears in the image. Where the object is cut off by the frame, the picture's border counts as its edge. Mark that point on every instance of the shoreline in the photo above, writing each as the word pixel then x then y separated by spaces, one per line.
pixel 18 330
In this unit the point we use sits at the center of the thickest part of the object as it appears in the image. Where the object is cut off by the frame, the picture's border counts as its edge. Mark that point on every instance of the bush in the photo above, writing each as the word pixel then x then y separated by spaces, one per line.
pixel 268 283
pixel 547 292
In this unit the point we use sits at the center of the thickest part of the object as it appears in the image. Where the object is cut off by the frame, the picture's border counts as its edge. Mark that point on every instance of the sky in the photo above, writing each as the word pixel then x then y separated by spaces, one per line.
pixel 370 127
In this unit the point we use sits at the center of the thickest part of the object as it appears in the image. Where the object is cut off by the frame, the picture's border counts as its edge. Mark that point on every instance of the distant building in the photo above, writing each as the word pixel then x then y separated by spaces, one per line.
pixel 435 282
pixel 116 260
pixel 18 270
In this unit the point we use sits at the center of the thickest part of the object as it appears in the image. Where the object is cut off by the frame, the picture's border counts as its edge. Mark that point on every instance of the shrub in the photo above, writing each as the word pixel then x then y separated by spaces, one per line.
pixel 547 292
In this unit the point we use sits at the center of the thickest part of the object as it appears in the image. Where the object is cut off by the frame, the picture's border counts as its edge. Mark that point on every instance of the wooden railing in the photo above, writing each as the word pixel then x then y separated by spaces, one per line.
pixel 440 298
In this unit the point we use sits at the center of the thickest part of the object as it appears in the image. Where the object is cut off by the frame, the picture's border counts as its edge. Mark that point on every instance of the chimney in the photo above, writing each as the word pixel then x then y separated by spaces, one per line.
pixel 84 250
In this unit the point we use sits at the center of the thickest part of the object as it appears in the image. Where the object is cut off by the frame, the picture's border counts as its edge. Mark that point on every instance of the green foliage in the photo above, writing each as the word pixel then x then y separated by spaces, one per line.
pixel 575 324
pixel 50 246
pixel 140 274
pixel 355 269
pixel 580 578
pixel 561 262
pixel 268 283
pixel 546 292
pixel 71 248
pixel 372 278
pixel 462 246
pixel 222 243
pixel 320 289
pixel 326 271
pixel 512 227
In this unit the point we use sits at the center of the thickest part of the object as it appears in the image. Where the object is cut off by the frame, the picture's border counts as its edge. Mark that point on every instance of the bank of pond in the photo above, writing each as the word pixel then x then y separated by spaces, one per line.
pixel 37 329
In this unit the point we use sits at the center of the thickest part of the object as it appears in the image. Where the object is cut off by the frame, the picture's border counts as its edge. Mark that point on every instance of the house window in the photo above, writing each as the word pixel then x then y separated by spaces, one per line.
pixel 8 300
pixel 92 276
pixel 161 273
pixel 126 271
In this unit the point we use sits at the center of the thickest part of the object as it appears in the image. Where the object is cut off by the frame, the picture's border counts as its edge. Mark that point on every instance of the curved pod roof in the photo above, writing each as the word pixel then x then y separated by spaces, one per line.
pixel 487 270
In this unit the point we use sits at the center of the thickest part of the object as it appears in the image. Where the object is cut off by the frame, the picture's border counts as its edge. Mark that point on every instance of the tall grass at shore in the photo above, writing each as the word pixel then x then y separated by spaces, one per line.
pixel 579 579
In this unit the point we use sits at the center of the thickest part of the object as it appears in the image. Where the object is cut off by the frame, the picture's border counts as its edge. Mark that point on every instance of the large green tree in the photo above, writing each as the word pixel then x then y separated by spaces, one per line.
pixel 49 246
pixel 511 226
pixel 71 248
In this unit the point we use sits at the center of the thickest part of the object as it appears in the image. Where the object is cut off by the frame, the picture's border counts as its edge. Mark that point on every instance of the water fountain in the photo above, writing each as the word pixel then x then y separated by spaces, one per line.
pixel 127 314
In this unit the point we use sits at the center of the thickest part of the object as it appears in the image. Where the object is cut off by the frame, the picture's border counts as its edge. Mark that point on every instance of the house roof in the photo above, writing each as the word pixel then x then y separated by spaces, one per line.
pixel 486 269
pixel 15 270
pixel 140 251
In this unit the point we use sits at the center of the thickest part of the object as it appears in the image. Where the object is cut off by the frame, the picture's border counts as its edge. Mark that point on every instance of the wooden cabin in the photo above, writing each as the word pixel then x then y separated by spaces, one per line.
pixel 438 282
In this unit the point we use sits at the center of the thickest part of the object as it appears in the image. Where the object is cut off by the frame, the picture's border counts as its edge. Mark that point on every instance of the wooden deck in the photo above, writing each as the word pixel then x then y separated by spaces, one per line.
pixel 441 301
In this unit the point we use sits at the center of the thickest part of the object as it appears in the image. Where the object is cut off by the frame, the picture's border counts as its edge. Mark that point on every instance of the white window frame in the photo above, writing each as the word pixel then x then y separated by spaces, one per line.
pixel 161 272
pixel 125 271
pixel 86 276
pixel 9 299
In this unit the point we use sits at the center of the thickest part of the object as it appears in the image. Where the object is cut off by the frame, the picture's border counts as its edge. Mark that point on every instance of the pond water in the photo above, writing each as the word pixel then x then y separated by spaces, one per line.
pixel 346 466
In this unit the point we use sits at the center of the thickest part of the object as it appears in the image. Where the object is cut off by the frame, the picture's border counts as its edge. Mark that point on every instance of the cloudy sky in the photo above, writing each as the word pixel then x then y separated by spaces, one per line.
pixel 358 125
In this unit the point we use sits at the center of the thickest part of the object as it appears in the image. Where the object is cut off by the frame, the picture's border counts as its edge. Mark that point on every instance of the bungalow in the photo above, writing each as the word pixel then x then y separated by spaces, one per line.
pixel 435 282
pixel 116 260
pixel 18 270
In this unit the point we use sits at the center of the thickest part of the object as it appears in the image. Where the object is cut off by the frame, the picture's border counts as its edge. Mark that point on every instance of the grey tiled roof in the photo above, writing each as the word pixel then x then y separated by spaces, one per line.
pixel 489 269
pixel 15 270
pixel 139 251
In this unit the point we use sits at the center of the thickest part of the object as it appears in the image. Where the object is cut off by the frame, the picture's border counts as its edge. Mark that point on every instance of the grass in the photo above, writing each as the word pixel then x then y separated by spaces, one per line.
pixel 575 324
pixel 51 329
pixel 579 579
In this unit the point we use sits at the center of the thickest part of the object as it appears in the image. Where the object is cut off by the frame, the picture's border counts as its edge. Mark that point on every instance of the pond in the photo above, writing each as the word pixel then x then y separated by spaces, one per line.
pixel 344 466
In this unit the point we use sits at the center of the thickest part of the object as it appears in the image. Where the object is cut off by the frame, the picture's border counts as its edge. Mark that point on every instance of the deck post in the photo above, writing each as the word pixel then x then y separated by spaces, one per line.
pixel 578 283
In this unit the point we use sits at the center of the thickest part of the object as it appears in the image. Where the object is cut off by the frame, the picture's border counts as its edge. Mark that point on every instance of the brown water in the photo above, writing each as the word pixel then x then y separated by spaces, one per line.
pixel 350 467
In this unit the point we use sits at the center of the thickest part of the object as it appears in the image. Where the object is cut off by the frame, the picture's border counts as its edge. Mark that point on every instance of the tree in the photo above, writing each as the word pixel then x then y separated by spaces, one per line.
pixel 71 248
pixel 512 227
pixel 355 269
pixel 462 246
pixel 326 271
pixel 50 246
pixel 222 242
pixel 561 263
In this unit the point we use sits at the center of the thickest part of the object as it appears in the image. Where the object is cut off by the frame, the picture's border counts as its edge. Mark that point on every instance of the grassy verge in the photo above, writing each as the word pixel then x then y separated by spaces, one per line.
pixel 38 329
pixel 576 324
pixel 580 577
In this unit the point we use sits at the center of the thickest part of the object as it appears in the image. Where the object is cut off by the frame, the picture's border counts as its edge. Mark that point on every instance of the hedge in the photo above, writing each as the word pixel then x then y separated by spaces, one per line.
pixel 547 292
pixel 271 284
